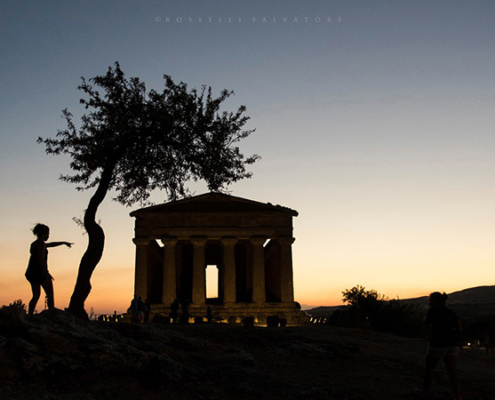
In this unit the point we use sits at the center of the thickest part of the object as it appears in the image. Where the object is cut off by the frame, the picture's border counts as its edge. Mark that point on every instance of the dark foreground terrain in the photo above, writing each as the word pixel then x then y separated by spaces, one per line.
pixel 54 356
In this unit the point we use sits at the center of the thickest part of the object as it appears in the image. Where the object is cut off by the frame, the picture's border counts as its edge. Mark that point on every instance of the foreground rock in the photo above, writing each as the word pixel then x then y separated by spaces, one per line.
pixel 55 356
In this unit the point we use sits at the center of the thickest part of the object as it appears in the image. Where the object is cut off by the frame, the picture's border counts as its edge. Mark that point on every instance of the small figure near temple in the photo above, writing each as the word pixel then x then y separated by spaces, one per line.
pixel 185 311
pixel 174 313
pixel 37 271
pixel 140 308
pixel 147 310
pixel 134 309
pixel 487 343
pixel 209 314
pixel 445 332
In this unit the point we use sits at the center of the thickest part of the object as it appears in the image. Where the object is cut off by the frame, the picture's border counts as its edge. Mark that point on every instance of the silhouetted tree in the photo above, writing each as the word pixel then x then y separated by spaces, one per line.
pixel 133 141
pixel 363 303
pixel 379 313
pixel 359 294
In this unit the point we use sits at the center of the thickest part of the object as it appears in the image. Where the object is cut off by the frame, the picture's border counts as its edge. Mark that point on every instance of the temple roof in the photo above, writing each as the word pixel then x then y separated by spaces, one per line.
pixel 214 202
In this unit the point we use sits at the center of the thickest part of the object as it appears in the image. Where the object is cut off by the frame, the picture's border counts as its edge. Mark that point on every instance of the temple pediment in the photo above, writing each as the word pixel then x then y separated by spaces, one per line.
pixel 213 203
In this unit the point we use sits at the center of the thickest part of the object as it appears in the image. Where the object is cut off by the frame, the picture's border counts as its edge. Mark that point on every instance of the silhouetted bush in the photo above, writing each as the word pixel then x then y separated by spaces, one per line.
pixel 398 318
pixel 369 309
pixel 17 306
pixel 479 328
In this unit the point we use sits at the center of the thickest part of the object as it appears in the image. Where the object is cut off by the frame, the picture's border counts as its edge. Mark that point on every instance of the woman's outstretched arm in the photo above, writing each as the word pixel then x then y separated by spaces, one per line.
pixel 55 244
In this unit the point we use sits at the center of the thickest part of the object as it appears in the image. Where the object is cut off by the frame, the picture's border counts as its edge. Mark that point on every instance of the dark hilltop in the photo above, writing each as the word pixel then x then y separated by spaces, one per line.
pixel 53 355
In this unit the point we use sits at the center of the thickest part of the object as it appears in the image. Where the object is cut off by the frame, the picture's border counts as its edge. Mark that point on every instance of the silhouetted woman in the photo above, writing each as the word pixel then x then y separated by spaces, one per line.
pixel 37 271
pixel 445 332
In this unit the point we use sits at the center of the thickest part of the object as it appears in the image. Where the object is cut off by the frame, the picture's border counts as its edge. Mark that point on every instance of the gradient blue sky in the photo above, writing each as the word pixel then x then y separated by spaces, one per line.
pixel 378 129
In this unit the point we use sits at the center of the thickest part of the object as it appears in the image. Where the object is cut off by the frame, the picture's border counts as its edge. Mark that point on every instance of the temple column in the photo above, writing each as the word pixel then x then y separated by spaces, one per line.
pixel 199 273
pixel 229 294
pixel 169 292
pixel 286 278
pixel 141 271
pixel 259 292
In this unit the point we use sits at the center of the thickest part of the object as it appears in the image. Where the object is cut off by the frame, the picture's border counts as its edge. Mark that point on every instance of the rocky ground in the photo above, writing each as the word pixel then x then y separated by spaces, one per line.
pixel 55 356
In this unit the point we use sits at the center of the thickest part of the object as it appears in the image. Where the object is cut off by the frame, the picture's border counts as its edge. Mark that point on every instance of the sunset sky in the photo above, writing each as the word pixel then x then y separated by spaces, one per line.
pixel 374 120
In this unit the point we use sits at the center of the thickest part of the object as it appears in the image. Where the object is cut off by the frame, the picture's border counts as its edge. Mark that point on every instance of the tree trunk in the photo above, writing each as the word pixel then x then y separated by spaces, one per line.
pixel 94 251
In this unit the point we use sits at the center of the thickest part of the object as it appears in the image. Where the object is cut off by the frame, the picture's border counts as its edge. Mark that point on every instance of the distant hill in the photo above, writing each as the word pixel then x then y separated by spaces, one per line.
pixel 474 301
pixel 480 295
pixel 323 311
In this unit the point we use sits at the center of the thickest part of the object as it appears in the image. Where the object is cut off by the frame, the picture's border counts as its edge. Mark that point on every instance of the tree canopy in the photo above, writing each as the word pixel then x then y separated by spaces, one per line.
pixel 368 308
pixel 133 140
pixel 358 295
pixel 152 140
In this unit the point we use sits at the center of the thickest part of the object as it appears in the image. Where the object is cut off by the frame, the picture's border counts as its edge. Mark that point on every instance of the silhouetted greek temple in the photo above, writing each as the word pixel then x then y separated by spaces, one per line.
pixel 250 244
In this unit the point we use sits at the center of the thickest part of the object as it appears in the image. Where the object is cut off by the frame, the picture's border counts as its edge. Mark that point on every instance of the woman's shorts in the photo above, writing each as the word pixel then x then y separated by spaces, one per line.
pixel 441 352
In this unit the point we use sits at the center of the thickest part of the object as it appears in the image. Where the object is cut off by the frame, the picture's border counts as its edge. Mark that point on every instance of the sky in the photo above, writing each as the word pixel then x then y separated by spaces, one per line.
pixel 374 120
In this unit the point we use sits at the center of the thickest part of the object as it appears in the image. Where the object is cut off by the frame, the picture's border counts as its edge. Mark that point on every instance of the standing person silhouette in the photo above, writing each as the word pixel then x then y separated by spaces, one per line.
pixel 445 331
pixel 37 271
pixel 185 311
pixel 174 313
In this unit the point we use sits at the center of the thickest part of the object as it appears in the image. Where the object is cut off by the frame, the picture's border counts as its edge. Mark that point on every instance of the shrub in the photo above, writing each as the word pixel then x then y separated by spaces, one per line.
pixel 368 308
pixel 16 306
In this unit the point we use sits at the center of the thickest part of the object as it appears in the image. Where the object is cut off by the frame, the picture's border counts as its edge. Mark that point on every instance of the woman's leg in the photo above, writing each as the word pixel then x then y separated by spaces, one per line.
pixel 36 289
pixel 431 362
pixel 451 367
pixel 48 288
